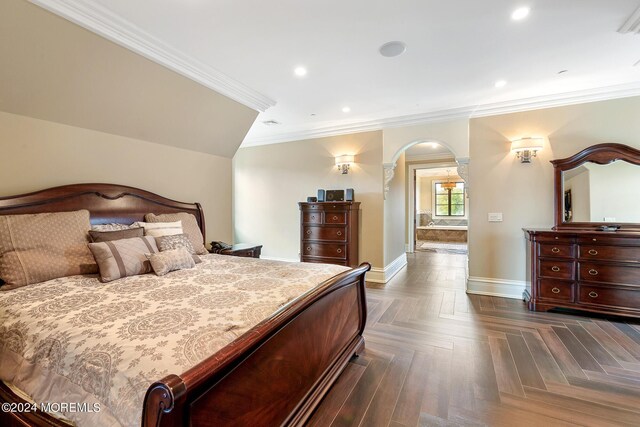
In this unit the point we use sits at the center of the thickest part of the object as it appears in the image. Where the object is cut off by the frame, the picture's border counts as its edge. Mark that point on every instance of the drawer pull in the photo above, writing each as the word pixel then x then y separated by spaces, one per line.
pixel 308 248
pixel 339 251
pixel 555 268
pixel 313 207
pixel 339 233
pixel 308 231
pixel 335 218
pixel 593 272
pixel 593 294
pixel 313 217
pixel 555 250
pixel 555 290
pixel 593 252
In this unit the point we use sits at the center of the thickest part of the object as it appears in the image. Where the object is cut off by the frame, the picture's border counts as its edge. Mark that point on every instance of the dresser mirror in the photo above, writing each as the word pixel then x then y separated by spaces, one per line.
pixel 598 188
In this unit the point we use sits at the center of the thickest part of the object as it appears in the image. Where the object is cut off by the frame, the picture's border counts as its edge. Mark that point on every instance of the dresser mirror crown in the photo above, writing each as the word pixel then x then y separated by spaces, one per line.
pixel 590 259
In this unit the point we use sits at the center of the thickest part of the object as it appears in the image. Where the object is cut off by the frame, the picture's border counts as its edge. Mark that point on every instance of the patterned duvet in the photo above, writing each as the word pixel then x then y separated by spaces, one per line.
pixel 78 340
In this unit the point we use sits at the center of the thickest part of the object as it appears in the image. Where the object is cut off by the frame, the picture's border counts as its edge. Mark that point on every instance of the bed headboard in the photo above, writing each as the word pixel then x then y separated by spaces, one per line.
pixel 106 203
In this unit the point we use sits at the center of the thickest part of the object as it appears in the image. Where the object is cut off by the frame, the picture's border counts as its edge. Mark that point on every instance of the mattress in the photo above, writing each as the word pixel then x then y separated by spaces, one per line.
pixel 100 345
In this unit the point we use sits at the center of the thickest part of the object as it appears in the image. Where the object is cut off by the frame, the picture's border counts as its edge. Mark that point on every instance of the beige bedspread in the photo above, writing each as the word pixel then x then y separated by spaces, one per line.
pixel 78 340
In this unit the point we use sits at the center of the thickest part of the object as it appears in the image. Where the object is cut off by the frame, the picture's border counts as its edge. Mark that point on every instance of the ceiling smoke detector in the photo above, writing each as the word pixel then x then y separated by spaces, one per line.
pixel 270 123
pixel 391 49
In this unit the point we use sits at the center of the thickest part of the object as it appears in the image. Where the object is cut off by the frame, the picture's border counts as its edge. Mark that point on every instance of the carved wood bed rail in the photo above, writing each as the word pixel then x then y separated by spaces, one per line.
pixel 275 374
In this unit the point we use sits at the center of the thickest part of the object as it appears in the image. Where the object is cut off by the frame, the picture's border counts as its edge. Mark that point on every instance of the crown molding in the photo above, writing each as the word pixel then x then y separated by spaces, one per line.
pixel 632 24
pixel 100 20
pixel 483 110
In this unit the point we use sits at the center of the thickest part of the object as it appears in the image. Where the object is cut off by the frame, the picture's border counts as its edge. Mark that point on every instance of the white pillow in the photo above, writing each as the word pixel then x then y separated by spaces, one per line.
pixel 159 229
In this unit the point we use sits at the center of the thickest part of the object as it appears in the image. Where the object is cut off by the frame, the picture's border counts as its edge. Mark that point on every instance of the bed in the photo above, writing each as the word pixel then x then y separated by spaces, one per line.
pixel 274 373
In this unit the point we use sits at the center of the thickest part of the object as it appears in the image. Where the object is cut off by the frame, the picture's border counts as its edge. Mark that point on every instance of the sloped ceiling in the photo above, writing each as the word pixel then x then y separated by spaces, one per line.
pixel 55 70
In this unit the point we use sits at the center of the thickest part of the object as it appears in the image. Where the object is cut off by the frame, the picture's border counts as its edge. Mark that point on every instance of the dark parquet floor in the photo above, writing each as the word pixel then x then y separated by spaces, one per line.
pixel 436 356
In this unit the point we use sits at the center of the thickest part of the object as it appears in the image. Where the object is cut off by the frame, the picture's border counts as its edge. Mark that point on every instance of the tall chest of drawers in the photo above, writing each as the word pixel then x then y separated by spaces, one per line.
pixel 329 232
pixel 586 270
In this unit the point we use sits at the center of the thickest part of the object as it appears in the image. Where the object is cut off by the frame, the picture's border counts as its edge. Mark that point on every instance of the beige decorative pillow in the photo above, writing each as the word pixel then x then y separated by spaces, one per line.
pixel 171 260
pixel 122 258
pixel 189 224
pixel 112 226
pixel 158 229
pixel 167 243
pixel 39 247
pixel 108 236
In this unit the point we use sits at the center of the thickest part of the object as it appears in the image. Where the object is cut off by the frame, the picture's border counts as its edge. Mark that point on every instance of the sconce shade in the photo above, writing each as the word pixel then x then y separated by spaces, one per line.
pixel 524 144
pixel 344 159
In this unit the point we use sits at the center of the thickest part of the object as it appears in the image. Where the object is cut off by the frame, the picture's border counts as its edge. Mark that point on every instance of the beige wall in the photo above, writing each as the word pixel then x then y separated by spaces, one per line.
pixel 452 134
pixel 36 154
pixel 269 181
pixel 394 215
pixel 524 192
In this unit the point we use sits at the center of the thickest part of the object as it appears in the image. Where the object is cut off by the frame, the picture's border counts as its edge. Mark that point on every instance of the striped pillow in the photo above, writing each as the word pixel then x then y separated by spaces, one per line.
pixel 159 229
pixel 122 258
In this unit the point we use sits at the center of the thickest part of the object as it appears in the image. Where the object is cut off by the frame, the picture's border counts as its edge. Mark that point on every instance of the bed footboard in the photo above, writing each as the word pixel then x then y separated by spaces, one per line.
pixel 275 374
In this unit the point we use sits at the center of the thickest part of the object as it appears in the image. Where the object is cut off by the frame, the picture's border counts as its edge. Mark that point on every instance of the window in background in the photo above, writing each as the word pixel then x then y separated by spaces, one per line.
pixel 449 202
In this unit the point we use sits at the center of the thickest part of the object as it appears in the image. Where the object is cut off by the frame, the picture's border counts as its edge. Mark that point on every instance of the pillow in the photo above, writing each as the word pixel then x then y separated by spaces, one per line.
pixel 108 236
pixel 113 226
pixel 122 258
pixel 189 224
pixel 174 259
pixel 158 229
pixel 39 247
pixel 166 243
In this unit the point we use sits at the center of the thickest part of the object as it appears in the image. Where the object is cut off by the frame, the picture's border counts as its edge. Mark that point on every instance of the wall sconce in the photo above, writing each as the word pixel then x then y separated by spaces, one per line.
pixel 344 162
pixel 526 148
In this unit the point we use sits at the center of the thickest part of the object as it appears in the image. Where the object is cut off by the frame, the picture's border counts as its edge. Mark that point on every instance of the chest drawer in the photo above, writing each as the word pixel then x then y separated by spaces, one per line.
pixel 556 290
pixel 311 217
pixel 609 296
pixel 324 233
pixel 335 217
pixel 557 269
pixel 327 250
pixel 611 253
pixel 606 273
pixel 556 250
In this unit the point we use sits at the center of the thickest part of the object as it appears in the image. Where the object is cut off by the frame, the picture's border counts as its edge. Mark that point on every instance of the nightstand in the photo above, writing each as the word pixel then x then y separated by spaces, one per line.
pixel 244 250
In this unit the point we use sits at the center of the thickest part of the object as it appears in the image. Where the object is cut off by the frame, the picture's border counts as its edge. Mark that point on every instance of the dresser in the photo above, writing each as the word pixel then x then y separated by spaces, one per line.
pixel 588 270
pixel 329 232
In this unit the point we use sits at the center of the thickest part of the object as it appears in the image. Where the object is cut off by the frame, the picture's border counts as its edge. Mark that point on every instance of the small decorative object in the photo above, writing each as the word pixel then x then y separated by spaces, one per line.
pixel 344 162
pixel 321 195
pixel 335 195
pixel 312 199
pixel 349 196
pixel 526 148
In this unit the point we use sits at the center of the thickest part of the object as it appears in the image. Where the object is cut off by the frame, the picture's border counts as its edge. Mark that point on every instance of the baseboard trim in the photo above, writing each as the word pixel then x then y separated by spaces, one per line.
pixel 495 287
pixel 383 275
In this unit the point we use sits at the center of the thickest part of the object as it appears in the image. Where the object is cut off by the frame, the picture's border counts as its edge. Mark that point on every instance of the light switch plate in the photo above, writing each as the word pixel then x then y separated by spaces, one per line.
pixel 494 216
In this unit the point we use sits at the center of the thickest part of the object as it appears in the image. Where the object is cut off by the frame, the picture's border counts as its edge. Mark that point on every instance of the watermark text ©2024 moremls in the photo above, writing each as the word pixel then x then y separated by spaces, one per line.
pixel 59 407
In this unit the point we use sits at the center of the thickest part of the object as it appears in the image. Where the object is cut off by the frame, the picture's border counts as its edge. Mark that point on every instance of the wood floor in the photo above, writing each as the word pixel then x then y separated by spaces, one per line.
pixel 438 357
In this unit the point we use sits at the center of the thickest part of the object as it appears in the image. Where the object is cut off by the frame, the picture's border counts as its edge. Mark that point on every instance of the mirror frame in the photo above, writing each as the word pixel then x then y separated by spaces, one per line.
pixel 601 154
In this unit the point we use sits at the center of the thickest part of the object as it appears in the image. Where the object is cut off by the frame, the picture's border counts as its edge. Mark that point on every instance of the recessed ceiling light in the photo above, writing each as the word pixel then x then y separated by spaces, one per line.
pixel 500 83
pixel 434 145
pixel 346 109
pixel 300 71
pixel 391 49
pixel 520 13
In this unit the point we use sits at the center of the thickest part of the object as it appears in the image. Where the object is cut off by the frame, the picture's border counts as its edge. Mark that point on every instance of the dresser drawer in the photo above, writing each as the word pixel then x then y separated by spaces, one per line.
pixel 610 240
pixel 329 250
pixel 557 269
pixel 556 251
pixel 328 206
pixel 324 233
pixel 321 260
pixel 312 207
pixel 335 218
pixel 610 253
pixel 551 238
pixel 555 290
pixel 607 273
pixel 311 217
pixel 609 296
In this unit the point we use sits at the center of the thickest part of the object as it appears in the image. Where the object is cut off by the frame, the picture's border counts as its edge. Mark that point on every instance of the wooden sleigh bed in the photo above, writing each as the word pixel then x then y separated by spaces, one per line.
pixel 275 374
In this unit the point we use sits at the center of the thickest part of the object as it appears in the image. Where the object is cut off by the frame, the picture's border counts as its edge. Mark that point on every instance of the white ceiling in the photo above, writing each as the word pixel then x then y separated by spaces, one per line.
pixel 456 51
pixel 453 173
pixel 428 149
